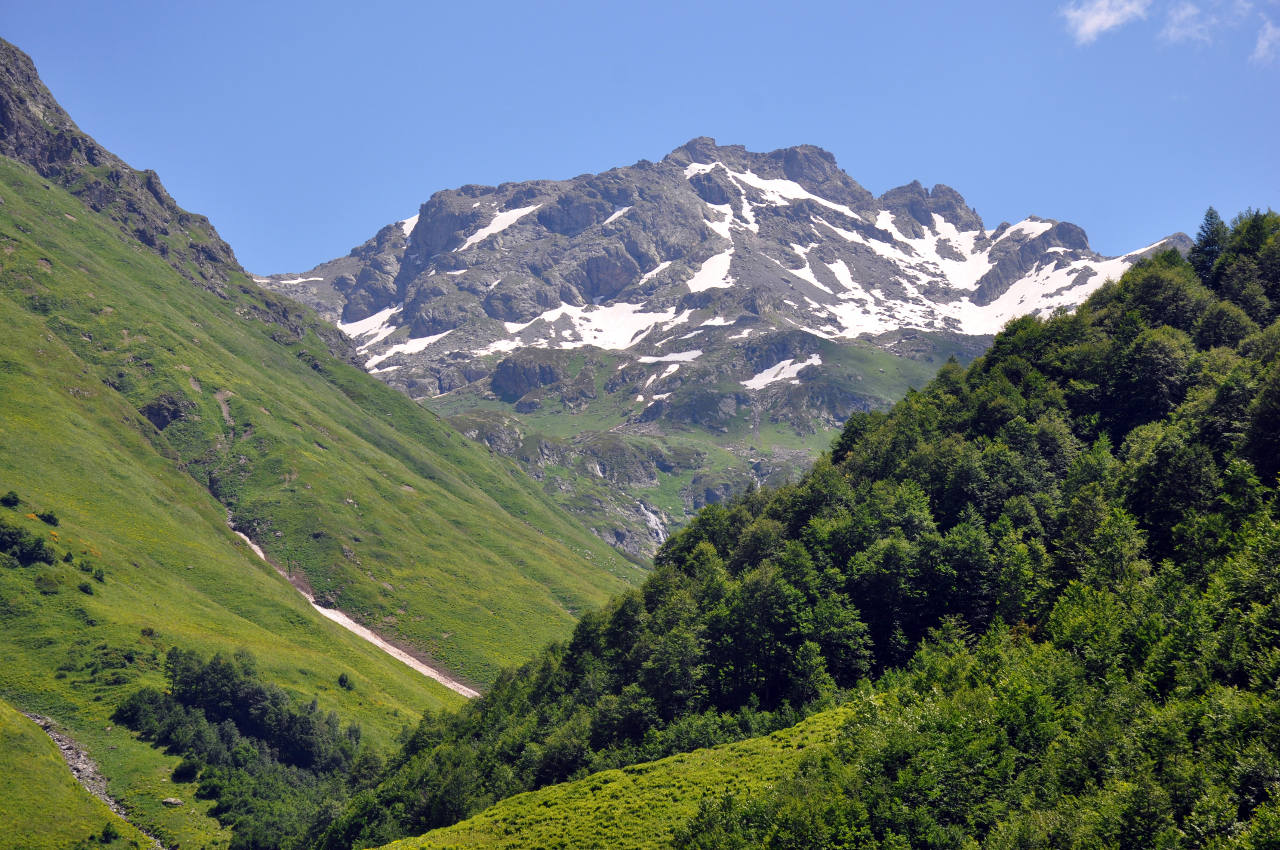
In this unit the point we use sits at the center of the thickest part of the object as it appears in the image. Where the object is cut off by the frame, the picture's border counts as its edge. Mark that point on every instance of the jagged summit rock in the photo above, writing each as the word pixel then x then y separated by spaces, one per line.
pixel 712 291
pixel 714 241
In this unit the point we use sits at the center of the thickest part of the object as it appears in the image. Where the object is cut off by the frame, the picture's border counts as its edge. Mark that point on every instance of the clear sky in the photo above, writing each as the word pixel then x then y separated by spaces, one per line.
pixel 300 128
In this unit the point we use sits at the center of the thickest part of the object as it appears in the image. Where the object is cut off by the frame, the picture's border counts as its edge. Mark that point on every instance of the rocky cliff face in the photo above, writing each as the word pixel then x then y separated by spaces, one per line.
pixel 726 286
pixel 712 245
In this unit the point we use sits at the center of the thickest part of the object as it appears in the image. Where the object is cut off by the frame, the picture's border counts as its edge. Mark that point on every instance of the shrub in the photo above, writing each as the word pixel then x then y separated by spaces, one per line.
pixel 46 583
pixel 10 499
pixel 86 588
pixel 48 517
pixel 344 682
pixel 26 547
pixel 188 770
pixel 99 576
pixel 109 833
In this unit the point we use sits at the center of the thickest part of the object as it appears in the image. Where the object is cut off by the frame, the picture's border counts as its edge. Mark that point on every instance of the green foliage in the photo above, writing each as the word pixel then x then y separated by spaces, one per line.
pixel 639 806
pixel 10 499
pixel 24 546
pixel 1210 241
pixel 1044 587
pixel 47 582
pixel 271 766
pixel 1144 715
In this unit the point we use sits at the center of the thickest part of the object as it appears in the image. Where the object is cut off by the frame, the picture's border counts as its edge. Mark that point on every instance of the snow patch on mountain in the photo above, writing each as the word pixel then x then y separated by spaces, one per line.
pixel 617 215
pixel 678 357
pixel 805 272
pixel 958 274
pixel 369 325
pixel 713 274
pixel 1026 229
pixel 657 270
pixel 500 222
pixel 413 346
pixel 785 370
pixel 782 192
pixel 612 326
pixel 498 346
pixel 724 223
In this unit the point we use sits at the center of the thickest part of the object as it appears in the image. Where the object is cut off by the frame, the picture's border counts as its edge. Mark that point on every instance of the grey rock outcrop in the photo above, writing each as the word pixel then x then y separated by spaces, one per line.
pixel 714 291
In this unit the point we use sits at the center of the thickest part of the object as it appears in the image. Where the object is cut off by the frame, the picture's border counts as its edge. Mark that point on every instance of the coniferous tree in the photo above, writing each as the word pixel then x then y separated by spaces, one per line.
pixel 1210 240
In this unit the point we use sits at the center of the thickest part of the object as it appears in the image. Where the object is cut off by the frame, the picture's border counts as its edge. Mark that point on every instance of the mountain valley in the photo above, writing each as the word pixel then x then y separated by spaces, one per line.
pixel 735 506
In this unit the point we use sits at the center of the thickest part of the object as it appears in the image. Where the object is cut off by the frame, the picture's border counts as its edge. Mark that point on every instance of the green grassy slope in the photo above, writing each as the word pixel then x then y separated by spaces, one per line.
pixel 34 780
pixel 445 549
pixel 637 806
pixel 387 512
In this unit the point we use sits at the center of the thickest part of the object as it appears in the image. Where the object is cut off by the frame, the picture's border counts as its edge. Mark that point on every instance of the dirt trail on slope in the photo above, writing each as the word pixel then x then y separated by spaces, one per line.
pixel 85 770
pixel 364 632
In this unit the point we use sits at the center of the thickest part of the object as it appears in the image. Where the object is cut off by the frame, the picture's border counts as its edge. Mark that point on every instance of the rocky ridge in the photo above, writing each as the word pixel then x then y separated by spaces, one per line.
pixel 713 241
pixel 37 131
pixel 714 289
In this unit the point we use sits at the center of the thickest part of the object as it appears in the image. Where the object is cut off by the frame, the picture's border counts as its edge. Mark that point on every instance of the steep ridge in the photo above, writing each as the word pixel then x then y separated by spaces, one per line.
pixel 136 557
pixel 383 510
pixel 137 409
pixel 36 130
pixel 739 299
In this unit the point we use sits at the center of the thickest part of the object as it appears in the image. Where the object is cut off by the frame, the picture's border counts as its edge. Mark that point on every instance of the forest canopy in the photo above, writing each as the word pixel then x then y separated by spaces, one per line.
pixel 1047 585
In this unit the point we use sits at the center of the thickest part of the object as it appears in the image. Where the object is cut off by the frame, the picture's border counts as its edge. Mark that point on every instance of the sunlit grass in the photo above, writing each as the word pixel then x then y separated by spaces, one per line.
pixel 638 806
pixel 406 524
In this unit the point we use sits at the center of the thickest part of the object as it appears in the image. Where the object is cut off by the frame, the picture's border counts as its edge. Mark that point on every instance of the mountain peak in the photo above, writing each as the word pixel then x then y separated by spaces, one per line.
pixel 715 235
pixel 719 287
pixel 700 149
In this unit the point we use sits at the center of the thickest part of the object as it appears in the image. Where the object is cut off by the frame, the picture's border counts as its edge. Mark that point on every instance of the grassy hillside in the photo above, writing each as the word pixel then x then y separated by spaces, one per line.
pixel 129 399
pixel 638 806
pixel 384 511
pixel 34 781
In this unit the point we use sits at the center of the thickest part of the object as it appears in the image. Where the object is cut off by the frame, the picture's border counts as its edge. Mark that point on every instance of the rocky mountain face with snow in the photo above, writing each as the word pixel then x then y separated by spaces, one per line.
pixel 718 292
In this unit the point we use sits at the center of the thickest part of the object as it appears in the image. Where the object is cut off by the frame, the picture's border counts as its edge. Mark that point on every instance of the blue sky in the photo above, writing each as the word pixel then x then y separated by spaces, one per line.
pixel 300 128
